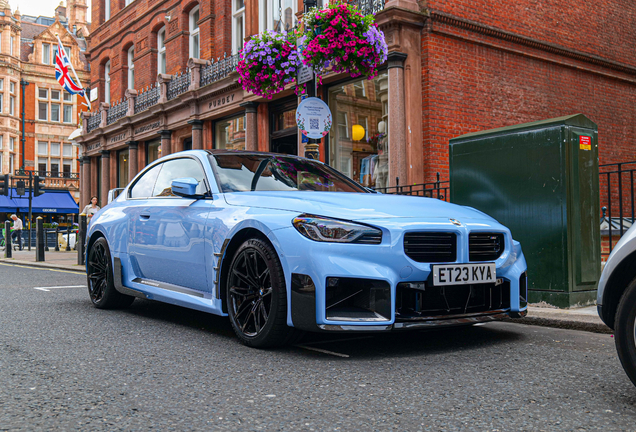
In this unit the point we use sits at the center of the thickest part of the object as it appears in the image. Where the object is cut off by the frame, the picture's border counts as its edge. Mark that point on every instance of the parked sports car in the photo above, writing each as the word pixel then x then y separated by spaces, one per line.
pixel 283 244
pixel 616 299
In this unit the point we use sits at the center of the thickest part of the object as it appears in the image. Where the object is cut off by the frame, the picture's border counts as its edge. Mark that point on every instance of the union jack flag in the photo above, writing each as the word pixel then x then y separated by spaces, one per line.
pixel 62 65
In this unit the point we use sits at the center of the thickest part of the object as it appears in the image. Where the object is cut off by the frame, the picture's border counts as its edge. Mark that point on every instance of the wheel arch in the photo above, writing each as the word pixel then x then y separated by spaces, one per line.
pixel 621 276
pixel 92 239
pixel 236 241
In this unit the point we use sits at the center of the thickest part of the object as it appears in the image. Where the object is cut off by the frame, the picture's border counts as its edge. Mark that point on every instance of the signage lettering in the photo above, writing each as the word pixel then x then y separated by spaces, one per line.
pixel 221 101
pixel 148 127
pixel 119 137
pixel 93 146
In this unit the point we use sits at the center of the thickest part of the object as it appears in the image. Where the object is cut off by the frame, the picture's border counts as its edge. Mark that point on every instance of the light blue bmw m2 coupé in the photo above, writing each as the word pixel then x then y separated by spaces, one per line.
pixel 284 245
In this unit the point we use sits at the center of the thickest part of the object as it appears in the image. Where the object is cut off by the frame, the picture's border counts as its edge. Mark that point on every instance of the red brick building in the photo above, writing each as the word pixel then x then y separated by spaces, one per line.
pixel 454 67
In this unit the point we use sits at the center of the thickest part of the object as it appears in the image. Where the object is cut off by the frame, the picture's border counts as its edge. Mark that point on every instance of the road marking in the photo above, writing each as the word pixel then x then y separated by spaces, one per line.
pixel 58 287
pixel 322 351
pixel 339 340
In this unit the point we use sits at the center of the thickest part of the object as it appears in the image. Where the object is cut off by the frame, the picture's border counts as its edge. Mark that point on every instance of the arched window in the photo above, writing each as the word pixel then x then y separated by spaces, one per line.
pixel 107 82
pixel 194 33
pixel 131 67
pixel 161 51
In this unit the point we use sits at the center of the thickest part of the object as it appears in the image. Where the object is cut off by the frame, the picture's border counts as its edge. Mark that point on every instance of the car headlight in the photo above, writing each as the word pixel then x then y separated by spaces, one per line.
pixel 336 231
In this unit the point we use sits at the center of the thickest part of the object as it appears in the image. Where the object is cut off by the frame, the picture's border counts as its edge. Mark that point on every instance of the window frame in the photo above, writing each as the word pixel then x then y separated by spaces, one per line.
pixel 107 82
pixel 162 63
pixel 58 112
pixel 40 105
pixel 11 105
pixel 46 54
pixel 131 67
pixel 237 14
pixel 193 27
pixel 70 120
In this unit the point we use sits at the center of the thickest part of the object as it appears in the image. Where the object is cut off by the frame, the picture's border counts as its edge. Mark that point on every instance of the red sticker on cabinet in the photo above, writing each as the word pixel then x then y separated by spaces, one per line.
pixel 585 142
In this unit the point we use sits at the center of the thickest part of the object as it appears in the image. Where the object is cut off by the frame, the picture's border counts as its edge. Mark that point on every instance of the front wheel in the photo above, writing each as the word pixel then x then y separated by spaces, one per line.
pixel 256 296
pixel 101 285
pixel 625 331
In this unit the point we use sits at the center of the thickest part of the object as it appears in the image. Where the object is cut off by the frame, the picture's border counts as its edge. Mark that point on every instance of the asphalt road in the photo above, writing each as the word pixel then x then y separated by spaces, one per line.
pixel 65 365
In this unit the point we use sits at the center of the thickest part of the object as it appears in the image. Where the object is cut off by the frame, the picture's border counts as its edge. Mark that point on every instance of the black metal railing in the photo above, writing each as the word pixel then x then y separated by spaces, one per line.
pixel 218 69
pixel 93 121
pixel 116 112
pixel 179 84
pixel 617 199
pixel 368 7
pixel 438 189
pixel 147 98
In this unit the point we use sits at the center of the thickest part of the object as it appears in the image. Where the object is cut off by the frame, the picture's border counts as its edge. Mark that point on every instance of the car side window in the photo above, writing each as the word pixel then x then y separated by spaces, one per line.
pixel 178 168
pixel 144 186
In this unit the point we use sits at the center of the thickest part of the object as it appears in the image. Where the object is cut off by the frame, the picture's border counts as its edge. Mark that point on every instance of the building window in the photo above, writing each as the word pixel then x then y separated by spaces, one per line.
pixel 358 145
pixel 55 149
pixel 11 143
pixel 11 164
pixel 46 54
pixel 55 95
pixel 55 112
pixel 1 84
pixel 43 93
pixel 11 87
pixel 43 111
pixel 107 10
pixel 1 99
pixel 55 167
pixel 67 151
pixel 122 168
pixel 128 2
pixel 11 105
pixel 68 113
pixel 43 149
pixel 107 82
pixel 131 67
pixel 68 97
pixel 161 51
pixel 42 168
pixel 194 33
pixel 277 15
pixel 230 133
pixel 66 169
pixel 238 25
pixel 153 151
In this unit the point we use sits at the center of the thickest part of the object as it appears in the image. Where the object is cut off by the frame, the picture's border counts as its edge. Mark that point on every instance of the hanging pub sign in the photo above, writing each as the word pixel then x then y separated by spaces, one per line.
pixel 313 117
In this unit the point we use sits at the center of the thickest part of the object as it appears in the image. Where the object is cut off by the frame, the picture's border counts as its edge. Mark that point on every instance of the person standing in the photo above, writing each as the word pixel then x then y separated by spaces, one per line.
pixel 17 228
pixel 91 209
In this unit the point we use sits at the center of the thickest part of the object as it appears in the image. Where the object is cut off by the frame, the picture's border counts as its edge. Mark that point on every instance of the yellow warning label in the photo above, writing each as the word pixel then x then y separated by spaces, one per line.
pixel 585 146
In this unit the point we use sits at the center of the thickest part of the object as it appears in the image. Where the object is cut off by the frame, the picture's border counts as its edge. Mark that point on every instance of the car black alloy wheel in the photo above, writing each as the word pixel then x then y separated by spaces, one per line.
pixel 251 291
pixel 256 296
pixel 625 331
pixel 100 280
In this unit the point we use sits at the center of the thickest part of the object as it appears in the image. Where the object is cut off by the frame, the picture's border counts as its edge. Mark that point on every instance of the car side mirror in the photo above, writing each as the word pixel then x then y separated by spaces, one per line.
pixel 185 187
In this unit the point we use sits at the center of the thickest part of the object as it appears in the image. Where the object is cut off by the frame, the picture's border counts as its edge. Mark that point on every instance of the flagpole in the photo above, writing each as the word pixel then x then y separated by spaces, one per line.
pixel 74 73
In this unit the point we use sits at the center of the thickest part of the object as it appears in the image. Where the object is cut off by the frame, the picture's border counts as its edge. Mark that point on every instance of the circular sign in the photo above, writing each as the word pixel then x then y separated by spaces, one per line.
pixel 313 117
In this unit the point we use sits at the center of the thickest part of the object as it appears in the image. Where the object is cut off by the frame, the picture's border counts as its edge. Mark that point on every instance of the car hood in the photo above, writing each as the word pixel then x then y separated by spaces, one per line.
pixel 354 206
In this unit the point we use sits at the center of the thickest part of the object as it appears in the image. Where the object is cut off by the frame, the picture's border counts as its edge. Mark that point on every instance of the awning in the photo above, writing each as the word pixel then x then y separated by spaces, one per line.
pixel 7 205
pixel 54 202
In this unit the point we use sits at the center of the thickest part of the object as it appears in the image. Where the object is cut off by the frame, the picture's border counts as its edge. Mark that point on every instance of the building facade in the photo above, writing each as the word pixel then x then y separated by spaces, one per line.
pixel 163 79
pixel 49 114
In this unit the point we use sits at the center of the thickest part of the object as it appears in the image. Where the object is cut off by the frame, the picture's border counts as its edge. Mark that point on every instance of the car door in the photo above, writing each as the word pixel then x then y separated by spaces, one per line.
pixel 168 244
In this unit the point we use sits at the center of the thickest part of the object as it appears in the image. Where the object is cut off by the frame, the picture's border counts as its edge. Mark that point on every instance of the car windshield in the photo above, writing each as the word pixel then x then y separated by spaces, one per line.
pixel 255 172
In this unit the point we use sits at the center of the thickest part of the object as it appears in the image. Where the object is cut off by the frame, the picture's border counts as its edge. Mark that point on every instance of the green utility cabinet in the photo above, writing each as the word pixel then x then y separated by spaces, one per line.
pixel 540 180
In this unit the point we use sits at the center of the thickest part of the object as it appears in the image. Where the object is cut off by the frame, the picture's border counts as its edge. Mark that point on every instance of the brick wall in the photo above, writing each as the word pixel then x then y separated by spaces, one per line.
pixel 138 24
pixel 474 82
pixel 603 28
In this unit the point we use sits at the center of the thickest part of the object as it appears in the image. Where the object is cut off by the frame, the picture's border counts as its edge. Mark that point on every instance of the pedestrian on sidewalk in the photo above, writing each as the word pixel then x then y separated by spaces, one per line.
pixel 17 228
pixel 91 209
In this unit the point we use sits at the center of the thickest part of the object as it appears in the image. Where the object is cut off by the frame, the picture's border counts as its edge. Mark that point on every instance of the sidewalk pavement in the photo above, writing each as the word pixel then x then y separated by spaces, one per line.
pixel 53 260
pixel 585 318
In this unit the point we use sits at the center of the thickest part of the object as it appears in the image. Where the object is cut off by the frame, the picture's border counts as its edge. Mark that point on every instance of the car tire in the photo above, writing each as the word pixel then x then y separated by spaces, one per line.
pixel 256 296
pixel 625 331
pixel 100 279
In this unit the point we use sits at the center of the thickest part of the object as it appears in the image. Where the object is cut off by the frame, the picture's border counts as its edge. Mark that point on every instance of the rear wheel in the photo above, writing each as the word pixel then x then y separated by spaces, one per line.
pixel 256 296
pixel 101 286
pixel 625 331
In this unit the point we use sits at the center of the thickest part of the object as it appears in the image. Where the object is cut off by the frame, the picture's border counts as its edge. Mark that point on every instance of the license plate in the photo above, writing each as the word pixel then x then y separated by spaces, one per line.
pixel 463 274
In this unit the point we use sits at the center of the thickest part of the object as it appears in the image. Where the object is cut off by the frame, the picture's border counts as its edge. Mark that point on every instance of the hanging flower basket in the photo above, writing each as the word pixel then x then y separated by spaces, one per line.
pixel 268 62
pixel 340 37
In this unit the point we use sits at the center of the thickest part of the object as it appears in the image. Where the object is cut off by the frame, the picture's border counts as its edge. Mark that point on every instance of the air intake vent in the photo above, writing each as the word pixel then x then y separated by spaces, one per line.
pixel 431 247
pixel 485 246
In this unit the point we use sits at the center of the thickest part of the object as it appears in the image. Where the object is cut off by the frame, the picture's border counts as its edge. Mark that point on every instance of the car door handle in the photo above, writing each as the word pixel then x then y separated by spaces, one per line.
pixel 144 215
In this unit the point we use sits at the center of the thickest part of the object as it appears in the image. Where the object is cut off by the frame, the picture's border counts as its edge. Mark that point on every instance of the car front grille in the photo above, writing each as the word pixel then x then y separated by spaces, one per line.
pixel 431 247
pixel 485 246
